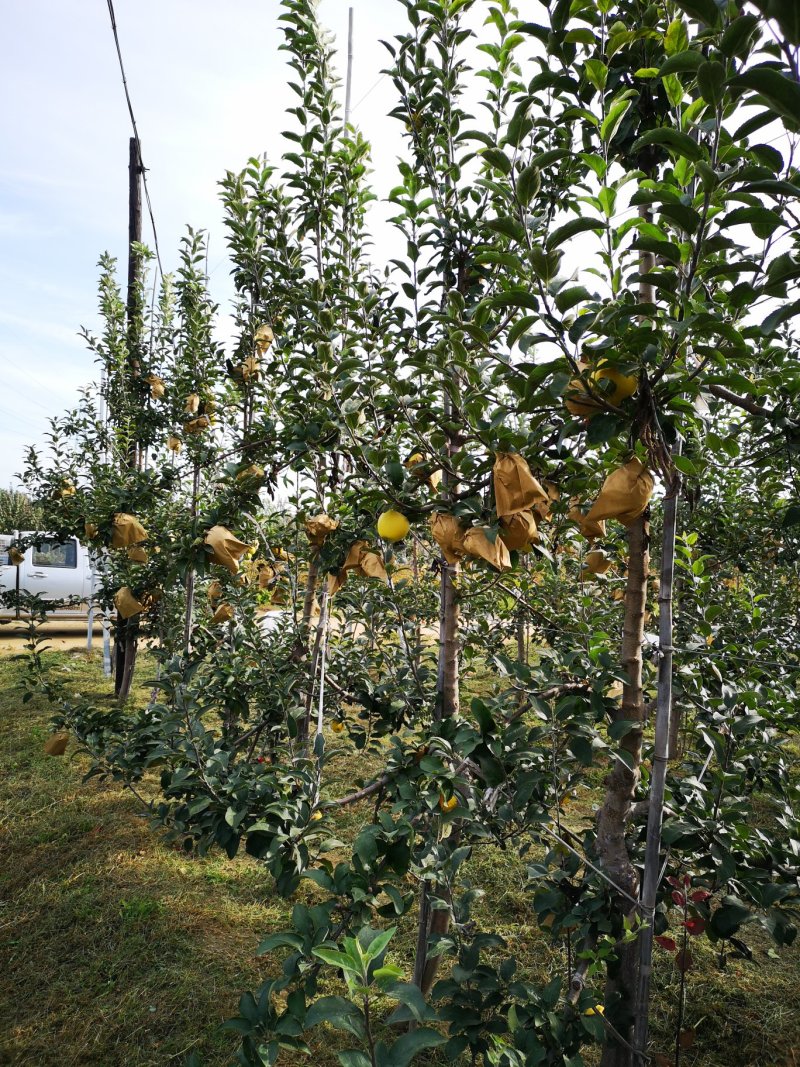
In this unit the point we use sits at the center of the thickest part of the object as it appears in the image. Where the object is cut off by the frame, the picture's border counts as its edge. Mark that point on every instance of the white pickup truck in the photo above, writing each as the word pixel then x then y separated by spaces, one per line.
pixel 55 570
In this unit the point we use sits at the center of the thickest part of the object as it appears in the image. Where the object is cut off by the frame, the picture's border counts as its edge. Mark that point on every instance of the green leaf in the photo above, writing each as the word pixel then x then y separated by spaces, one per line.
pixel 508 227
pixel 571 229
pixel 497 158
pixel 613 119
pixel 413 1005
pixel 710 80
pixel 676 39
pixel 596 72
pixel 728 917
pixel 703 11
pixel 680 143
pixel 403 1051
pixel 780 93
pixel 337 959
pixel 379 943
pixel 568 298
pixel 528 184
pixel 337 1012
pixel 353 1058
pixel 681 63
pixel 621 728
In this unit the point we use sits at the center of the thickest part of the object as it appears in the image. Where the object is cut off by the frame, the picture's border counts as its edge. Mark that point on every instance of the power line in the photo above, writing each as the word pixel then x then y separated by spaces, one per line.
pixel 135 133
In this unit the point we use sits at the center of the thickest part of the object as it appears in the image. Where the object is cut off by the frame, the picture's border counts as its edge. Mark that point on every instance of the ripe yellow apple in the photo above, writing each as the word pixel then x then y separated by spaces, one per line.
pixel 393 526
pixel 579 401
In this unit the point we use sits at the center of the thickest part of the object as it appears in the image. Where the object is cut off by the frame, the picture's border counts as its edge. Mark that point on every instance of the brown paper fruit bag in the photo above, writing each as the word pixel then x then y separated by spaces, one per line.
pixel 157 386
pixel 127 531
pixel 597 562
pixel 250 369
pixel 360 561
pixel 224 613
pixel 263 338
pixel 476 543
pixel 625 494
pixel 590 528
pixel 251 478
pixel 226 550
pixel 515 488
pixel 518 532
pixel 16 556
pixel 56 744
pixel 318 527
pixel 174 444
pixel 137 554
pixel 192 405
pixel 127 604
pixel 448 533
pixel 418 466
pixel 202 422
pixel 215 590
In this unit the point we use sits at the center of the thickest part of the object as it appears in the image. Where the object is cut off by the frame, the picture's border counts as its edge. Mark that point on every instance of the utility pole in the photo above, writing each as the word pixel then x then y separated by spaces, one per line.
pixel 127 630
pixel 349 82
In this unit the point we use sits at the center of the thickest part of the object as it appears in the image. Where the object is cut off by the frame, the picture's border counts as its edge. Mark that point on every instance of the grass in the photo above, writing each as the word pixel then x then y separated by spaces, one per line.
pixel 118 949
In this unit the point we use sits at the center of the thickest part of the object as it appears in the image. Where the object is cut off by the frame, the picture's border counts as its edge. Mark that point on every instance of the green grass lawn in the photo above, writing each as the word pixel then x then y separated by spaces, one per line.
pixel 116 949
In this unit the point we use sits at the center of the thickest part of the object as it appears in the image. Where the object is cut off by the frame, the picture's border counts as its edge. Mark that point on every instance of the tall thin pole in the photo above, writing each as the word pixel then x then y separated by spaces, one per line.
pixel 658 774
pixel 126 640
pixel 349 82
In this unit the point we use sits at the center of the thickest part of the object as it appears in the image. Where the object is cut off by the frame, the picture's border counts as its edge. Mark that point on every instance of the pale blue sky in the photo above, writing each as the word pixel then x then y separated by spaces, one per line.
pixel 208 88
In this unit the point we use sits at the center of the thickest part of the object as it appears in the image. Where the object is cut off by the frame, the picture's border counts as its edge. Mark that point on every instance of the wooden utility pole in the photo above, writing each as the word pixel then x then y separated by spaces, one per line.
pixel 127 630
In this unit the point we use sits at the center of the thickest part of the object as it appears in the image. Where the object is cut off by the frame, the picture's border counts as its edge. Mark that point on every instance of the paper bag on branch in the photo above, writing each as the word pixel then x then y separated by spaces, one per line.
pixel 251 478
pixel 318 527
pixel 419 467
pixel 224 613
pixel 127 531
pixel 515 488
pixel 202 422
pixel 192 405
pixel 448 533
pixel 90 530
pixel 597 562
pixel 157 386
pixel 174 444
pixel 137 554
pixel 56 744
pixel 518 532
pixel 476 543
pixel 541 509
pixel 590 528
pixel 16 556
pixel 625 494
pixel 215 590
pixel 263 338
pixel 226 550
pixel 250 369
pixel 362 562
pixel 127 604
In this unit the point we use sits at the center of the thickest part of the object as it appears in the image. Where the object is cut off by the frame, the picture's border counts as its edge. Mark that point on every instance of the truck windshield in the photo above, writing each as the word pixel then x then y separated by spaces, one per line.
pixel 52 554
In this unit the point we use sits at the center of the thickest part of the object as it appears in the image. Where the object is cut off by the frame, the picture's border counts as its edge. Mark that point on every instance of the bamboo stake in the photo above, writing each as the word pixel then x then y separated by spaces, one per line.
pixel 661 754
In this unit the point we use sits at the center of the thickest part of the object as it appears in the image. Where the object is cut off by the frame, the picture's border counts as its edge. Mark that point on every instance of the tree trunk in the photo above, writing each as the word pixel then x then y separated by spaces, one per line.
pixel 621 783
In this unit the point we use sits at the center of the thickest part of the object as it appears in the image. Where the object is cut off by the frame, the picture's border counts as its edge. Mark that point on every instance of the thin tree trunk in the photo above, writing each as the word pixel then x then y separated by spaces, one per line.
pixel 621 783
pixel 658 775
pixel 190 582
pixel 447 704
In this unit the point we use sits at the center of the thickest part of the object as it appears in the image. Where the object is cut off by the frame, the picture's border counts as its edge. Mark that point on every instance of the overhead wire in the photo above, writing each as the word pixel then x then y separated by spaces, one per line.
pixel 142 168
